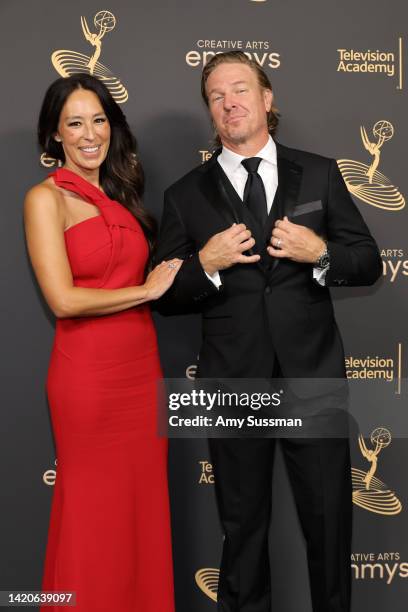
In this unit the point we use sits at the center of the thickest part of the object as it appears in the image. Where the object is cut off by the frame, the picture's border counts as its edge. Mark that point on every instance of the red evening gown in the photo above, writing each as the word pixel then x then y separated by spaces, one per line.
pixel 109 535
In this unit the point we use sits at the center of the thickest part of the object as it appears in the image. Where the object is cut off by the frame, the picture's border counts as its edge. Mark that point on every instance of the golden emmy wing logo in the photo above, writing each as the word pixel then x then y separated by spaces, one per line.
pixel 365 181
pixel 207 579
pixel 369 492
pixel 68 62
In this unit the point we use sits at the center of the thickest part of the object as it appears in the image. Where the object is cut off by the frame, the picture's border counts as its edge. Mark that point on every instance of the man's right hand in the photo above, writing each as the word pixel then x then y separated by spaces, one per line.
pixel 226 249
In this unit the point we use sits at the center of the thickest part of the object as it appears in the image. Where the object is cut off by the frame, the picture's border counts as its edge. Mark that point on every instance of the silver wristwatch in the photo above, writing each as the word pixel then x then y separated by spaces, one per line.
pixel 323 260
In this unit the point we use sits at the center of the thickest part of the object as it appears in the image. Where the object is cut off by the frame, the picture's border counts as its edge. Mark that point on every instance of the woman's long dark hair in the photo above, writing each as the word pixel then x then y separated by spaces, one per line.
pixel 121 173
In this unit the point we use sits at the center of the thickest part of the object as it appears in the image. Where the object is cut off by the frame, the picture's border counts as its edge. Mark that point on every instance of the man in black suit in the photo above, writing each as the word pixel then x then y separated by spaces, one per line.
pixel 264 231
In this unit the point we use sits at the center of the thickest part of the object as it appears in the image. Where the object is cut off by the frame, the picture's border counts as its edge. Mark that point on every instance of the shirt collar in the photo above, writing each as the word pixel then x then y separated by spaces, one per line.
pixel 231 161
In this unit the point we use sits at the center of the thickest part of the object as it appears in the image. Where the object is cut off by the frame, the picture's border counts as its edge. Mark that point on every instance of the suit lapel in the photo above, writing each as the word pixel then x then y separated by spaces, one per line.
pixel 289 176
pixel 287 193
pixel 222 196
pixel 245 216
pixel 213 188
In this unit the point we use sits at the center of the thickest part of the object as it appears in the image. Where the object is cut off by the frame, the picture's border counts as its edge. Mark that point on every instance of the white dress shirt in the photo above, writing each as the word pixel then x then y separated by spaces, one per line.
pixel 230 162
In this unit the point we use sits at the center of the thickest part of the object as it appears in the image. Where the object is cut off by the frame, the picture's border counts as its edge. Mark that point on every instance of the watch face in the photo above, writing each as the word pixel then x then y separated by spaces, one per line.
pixel 324 260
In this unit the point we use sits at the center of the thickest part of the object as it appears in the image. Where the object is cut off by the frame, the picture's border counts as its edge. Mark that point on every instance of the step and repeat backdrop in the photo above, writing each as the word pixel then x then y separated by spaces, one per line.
pixel 338 71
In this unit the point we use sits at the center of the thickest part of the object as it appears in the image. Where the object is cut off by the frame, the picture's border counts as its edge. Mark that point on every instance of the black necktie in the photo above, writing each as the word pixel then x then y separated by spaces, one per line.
pixel 254 193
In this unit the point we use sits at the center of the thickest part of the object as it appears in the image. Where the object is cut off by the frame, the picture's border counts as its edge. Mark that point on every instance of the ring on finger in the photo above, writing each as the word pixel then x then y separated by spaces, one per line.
pixel 278 243
pixel 172 265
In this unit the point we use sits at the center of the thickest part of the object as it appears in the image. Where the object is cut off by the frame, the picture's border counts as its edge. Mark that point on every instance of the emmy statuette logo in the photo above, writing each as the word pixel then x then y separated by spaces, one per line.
pixel 365 181
pixel 68 62
pixel 369 492
pixel 207 579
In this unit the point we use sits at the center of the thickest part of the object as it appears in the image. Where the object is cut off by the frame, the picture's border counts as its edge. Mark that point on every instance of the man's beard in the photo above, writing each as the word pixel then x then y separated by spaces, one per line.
pixel 239 138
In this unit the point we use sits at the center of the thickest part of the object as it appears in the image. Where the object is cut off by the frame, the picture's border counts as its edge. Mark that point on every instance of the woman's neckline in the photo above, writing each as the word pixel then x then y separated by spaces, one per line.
pixel 80 178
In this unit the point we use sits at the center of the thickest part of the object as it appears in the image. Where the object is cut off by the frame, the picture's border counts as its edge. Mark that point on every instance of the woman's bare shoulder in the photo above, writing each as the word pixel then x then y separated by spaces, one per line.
pixel 46 189
pixel 44 196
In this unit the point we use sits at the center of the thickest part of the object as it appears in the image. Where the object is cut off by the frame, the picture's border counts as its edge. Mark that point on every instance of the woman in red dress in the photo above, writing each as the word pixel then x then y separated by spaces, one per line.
pixel 90 243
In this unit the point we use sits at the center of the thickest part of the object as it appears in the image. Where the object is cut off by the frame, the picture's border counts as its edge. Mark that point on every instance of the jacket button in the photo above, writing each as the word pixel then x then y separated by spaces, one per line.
pixel 267 290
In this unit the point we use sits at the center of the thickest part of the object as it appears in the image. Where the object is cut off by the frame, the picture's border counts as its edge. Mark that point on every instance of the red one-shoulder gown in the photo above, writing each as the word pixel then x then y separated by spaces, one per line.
pixel 109 535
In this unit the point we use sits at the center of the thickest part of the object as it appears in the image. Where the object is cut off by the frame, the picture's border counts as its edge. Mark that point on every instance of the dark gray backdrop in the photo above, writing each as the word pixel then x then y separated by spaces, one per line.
pixel 322 110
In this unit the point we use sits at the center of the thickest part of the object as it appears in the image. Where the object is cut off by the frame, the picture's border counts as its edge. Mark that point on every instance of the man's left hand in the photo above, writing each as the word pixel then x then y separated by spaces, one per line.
pixel 295 242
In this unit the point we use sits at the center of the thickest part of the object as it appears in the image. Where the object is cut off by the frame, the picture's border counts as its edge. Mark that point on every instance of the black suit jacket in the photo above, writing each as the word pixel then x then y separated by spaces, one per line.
pixel 274 307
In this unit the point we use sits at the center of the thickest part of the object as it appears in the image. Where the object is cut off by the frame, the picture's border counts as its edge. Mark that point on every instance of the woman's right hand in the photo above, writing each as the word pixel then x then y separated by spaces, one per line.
pixel 161 278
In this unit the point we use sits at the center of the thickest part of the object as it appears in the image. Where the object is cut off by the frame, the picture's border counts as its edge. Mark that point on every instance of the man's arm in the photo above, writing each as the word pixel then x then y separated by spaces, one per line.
pixel 192 286
pixel 196 280
pixel 354 256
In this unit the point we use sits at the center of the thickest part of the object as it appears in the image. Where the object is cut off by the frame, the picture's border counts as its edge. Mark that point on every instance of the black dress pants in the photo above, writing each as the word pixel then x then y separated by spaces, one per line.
pixel 320 476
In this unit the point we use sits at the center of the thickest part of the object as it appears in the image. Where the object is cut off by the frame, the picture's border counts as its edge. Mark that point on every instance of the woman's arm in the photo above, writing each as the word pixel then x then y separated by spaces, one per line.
pixel 44 227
